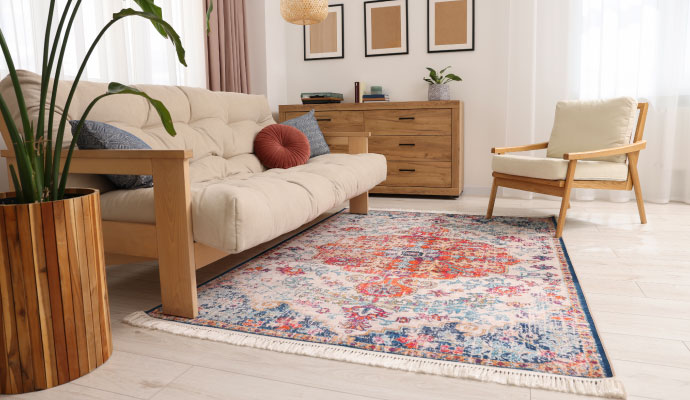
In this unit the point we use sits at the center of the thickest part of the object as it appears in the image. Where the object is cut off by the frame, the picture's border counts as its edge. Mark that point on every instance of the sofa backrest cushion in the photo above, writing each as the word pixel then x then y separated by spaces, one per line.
pixel 218 124
pixel 592 125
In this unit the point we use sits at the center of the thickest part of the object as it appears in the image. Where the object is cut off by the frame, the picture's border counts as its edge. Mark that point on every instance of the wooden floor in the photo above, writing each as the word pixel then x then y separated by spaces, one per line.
pixel 636 279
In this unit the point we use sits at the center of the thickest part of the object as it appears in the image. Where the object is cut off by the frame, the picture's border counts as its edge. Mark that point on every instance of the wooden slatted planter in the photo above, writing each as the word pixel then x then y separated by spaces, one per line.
pixel 54 314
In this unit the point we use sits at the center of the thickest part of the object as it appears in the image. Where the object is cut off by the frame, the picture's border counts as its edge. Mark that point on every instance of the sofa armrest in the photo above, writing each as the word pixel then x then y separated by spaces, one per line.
pixel 126 162
pixel 173 208
pixel 357 142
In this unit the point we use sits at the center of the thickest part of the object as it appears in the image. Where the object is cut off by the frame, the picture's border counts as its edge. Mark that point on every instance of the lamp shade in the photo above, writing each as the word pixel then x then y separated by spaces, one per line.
pixel 304 12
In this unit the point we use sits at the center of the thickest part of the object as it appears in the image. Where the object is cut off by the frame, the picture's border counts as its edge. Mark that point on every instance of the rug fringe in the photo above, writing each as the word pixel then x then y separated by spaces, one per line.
pixel 608 387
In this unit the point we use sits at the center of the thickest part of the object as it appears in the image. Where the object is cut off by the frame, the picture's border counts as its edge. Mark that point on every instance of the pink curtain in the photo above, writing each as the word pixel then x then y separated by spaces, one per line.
pixel 226 47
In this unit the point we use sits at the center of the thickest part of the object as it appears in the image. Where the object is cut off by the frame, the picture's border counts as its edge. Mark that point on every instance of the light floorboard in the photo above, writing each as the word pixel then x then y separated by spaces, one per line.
pixel 633 276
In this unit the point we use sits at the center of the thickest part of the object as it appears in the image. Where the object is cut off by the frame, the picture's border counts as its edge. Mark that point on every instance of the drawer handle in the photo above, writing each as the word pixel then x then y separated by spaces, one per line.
pixel 324 119
pixel 406 118
pixel 406 170
pixel 406 144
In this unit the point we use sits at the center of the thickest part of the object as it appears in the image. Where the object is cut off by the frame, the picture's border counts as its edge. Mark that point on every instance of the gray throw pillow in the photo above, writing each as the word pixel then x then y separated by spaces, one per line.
pixel 310 127
pixel 98 136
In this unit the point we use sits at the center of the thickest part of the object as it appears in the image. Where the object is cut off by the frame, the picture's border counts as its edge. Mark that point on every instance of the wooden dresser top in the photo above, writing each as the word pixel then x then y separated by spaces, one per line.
pixel 383 105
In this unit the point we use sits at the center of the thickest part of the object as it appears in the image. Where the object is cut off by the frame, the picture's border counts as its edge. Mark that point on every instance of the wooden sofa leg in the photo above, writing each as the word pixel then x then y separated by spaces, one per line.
pixel 174 236
pixel 636 185
pixel 492 200
pixel 360 204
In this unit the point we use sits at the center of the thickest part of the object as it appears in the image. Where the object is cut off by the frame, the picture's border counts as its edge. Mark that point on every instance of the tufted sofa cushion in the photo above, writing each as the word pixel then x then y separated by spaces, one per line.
pixel 248 208
pixel 209 123
pixel 236 202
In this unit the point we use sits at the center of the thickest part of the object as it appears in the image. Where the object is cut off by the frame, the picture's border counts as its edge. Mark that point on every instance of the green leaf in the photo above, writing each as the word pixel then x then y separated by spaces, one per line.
pixel 157 21
pixel 149 7
pixel 208 17
pixel 429 80
pixel 444 70
pixel 453 77
pixel 118 88
pixel 433 75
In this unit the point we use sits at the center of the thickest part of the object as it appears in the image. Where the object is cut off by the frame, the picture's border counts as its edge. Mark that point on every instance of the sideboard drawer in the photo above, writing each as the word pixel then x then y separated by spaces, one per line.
pixel 336 121
pixel 418 174
pixel 408 122
pixel 412 148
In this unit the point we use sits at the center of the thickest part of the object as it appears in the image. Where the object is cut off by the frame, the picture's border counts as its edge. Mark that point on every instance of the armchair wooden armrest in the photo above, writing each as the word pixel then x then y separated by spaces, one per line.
pixel 630 148
pixel 528 147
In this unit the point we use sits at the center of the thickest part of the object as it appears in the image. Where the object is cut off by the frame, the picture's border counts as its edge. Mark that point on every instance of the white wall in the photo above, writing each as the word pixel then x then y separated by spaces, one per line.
pixel 484 72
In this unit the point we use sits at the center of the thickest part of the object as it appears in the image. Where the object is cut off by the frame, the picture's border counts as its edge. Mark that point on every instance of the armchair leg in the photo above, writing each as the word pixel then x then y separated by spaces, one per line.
pixel 176 267
pixel 360 204
pixel 565 203
pixel 492 200
pixel 636 185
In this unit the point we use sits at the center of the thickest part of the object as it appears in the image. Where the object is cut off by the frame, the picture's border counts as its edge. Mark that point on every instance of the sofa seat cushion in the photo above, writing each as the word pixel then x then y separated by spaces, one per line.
pixel 242 210
pixel 556 169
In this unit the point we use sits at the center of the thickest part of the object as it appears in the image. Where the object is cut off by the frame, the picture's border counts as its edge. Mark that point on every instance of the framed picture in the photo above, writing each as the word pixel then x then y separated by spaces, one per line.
pixel 450 25
pixel 326 40
pixel 385 28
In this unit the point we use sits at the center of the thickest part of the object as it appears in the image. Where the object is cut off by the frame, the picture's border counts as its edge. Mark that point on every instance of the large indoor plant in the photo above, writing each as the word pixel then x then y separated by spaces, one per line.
pixel 438 83
pixel 54 319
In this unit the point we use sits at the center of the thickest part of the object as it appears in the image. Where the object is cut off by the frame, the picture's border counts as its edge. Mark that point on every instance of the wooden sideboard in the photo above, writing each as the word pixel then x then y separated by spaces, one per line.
pixel 422 140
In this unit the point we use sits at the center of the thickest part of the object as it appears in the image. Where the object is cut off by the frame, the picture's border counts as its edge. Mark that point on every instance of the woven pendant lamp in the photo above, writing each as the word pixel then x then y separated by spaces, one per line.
pixel 304 12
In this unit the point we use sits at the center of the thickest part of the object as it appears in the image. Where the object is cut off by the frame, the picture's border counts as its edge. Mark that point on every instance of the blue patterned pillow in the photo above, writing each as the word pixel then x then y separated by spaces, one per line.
pixel 308 125
pixel 98 136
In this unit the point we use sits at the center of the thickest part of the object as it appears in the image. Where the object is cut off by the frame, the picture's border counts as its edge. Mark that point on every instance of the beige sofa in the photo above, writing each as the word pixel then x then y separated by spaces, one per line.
pixel 208 185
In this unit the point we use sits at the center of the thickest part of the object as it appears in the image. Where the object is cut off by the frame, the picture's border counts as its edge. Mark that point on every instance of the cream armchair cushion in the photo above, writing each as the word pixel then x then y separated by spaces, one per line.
pixel 555 169
pixel 592 125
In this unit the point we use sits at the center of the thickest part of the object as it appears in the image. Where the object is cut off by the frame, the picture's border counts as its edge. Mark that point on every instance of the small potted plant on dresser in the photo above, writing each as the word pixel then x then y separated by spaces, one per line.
pixel 438 83
pixel 54 315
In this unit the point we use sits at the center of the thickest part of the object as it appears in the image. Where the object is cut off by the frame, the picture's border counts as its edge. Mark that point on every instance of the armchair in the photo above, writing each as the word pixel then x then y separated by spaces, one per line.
pixel 591 169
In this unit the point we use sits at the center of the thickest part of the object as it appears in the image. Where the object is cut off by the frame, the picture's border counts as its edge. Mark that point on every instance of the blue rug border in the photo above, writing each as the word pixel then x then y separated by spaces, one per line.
pixel 585 307
pixel 576 281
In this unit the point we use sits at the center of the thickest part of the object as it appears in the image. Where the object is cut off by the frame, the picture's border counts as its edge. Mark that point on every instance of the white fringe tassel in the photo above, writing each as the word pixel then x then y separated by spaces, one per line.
pixel 609 387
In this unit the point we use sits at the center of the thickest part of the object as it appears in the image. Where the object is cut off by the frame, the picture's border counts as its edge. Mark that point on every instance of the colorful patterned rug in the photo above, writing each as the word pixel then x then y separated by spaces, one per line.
pixel 454 295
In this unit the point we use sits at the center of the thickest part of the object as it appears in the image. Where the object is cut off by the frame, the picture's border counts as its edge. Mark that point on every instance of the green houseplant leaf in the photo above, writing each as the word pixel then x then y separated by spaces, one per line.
pixel 37 174
pixel 166 30
pixel 208 17
pixel 437 78
pixel 118 88
pixel 150 7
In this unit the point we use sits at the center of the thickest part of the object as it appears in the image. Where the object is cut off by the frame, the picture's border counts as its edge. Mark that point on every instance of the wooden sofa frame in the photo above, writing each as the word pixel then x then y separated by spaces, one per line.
pixel 169 240
pixel 562 188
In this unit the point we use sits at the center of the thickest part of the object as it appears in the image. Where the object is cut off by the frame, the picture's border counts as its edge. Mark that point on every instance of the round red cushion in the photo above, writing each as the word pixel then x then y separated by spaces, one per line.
pixel 281 146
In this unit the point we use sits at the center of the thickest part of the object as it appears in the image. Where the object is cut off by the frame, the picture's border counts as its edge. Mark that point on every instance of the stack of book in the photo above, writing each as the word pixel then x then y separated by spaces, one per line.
pixel 375 97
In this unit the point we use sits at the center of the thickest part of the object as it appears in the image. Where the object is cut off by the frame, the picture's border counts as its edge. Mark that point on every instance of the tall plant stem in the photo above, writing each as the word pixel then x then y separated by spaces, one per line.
pixel 48 179
pixel 24 158
pixel 45 76
pixel 24 165
pixel 63 120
